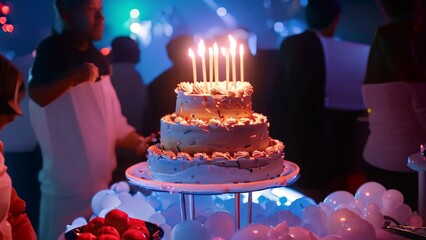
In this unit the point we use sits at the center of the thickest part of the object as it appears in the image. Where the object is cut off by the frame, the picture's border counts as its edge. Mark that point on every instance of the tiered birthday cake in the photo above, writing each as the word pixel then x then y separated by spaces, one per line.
pixel 215 137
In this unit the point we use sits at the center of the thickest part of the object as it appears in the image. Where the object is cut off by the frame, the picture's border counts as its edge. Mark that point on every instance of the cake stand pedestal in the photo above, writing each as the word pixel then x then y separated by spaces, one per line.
pixel 418 163
pixel 139 175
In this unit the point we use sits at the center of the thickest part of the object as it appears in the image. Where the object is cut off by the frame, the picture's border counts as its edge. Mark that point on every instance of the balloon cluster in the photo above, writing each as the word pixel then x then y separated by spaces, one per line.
pixel 340 216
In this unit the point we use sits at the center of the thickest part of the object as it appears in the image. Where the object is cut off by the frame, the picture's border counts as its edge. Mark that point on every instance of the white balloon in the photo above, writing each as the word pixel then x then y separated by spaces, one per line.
pixel 110 201
pixel 122 187
pixel 124 196
pixel 137 208
pixel 78 222
pixel 314 219
pixel 339 197
pixel 157 218
pixel 326 208
pixel 96 200
pixel 104 212
pixel 167 231
pixel 189 229
pixel 357 203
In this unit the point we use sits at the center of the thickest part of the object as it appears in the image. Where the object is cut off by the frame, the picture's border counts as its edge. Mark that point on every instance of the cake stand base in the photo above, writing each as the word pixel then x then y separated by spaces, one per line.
pixel 139 175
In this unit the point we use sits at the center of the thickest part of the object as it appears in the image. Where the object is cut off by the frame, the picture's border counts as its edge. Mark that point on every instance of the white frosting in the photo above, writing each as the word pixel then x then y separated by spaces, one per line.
pixel 207 174
pixel 227 136
pixel 194 102
pixel 218 168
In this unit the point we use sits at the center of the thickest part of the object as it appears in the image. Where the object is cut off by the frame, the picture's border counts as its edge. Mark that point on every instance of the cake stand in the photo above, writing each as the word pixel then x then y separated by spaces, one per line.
pixel 140 175
pixel 417 162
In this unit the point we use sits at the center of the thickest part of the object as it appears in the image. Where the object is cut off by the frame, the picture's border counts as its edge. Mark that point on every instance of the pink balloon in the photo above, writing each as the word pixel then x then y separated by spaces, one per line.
pixel 382 234
pixel 337 220
pixel 332 237
pixel 300 233
pixel 221 224
pixel 370 192
pixel 279 232
pixel 357 229
pixel 416 221
pixel 252 232
pixel 392 199
pixel 403 214
pixel 375 218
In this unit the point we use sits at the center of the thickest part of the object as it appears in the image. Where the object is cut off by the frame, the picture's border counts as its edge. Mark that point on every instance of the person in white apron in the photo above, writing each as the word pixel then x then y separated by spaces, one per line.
pixel 76 116
pixel 14 223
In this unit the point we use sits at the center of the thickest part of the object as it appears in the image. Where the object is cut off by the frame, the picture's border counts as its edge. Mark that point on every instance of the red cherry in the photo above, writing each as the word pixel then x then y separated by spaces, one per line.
pixel 117 219
pixel 108 230
pixel 108 237
pixel 94 225
pixel 133 234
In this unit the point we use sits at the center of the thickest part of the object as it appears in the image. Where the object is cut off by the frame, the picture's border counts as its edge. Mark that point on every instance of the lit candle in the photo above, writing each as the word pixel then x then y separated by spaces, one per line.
pixel 216 62
pixel 194 66
pixel 201 51
pixel 233 51
pixel 241 63
pixel 211 66
pixel 225 53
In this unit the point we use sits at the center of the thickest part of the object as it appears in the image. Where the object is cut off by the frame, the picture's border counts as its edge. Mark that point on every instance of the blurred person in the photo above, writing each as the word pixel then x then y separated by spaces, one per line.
pixel 395 91
pixel 21 151
pixel 300 90
pixel 162 97
pixel 132 94
pixel 76 116
pixel 14 222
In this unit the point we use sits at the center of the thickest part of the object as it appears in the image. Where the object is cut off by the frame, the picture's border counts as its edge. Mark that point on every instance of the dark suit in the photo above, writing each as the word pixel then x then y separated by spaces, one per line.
pixel 299 121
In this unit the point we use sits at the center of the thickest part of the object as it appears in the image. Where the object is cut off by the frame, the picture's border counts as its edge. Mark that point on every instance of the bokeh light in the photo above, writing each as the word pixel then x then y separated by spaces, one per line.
pixel 5 9
pixel 134 13
pixel 221 12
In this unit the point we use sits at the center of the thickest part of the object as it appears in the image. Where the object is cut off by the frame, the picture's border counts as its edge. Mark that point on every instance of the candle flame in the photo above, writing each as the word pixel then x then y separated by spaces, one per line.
pixel 191 53
pixel 210 51
pixel 215 48
pixel 233 45
pixel 201 48
pixel 223 51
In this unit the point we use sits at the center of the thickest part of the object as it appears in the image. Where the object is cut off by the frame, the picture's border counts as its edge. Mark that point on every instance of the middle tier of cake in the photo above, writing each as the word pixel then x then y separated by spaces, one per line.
pixel 228 135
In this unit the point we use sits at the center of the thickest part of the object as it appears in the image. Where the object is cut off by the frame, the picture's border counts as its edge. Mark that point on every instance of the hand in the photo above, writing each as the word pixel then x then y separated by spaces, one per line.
pixel 143 145
pixel 87 72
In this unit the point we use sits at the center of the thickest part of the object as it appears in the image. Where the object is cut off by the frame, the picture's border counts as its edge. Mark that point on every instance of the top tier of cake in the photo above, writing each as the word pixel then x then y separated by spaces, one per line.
pixel 197 101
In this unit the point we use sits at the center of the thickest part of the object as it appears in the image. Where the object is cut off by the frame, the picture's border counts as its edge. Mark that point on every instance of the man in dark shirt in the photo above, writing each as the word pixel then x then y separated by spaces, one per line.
pixel 76 116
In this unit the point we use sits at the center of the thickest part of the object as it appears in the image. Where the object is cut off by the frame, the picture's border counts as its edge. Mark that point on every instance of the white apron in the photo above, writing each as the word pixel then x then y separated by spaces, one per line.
pixel 77 134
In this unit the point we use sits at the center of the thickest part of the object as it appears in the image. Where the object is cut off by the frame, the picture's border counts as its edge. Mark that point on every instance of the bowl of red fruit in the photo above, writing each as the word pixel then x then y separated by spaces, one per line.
pixel 117 225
